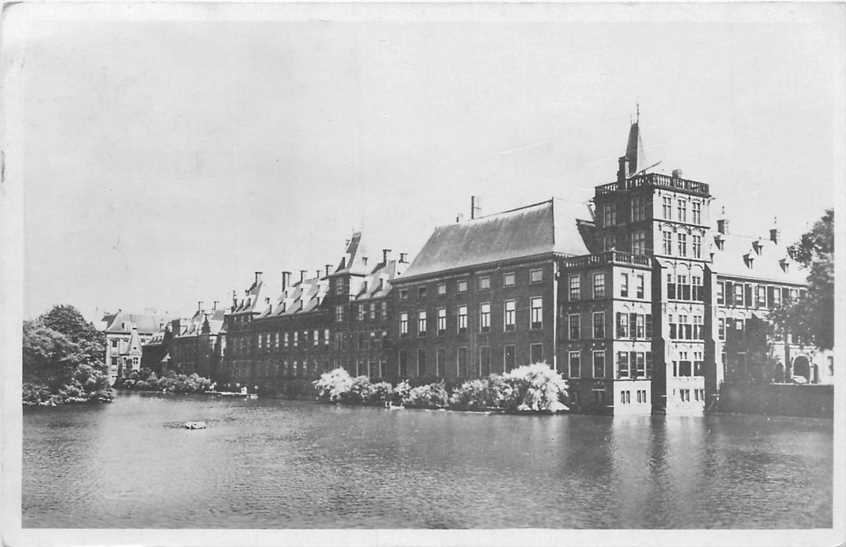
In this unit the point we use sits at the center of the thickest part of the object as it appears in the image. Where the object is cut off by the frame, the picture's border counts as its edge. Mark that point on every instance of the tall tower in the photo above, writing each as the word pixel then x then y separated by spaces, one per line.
pixel 662 221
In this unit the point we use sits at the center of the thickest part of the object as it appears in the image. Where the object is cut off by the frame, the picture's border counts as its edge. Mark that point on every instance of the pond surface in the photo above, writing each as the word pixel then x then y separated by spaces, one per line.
pixel 285 464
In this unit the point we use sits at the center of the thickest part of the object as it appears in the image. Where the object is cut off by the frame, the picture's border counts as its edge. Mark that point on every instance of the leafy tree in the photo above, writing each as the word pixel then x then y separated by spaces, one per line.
pixel 812 317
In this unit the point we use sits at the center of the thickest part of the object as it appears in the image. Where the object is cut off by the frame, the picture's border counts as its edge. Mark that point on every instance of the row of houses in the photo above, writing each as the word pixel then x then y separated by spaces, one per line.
pixel 639 298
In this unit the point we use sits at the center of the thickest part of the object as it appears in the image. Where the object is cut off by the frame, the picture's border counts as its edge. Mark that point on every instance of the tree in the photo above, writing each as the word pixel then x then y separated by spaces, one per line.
pixel 812 317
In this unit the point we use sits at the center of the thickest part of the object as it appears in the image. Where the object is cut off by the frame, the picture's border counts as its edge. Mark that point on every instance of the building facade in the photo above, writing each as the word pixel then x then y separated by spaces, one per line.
pixel 126 334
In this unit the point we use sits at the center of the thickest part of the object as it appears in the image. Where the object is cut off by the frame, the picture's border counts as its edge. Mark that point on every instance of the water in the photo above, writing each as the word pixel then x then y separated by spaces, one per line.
pixel 282 464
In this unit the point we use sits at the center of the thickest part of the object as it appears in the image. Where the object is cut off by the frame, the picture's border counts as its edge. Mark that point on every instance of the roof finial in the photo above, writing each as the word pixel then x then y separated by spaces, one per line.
pixel 637 112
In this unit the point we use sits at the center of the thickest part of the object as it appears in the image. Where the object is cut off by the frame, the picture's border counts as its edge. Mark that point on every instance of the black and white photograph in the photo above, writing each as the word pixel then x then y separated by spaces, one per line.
pixel 422 274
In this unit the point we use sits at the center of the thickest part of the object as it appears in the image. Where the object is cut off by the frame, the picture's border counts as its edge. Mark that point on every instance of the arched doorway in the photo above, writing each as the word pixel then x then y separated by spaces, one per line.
pixel 801 367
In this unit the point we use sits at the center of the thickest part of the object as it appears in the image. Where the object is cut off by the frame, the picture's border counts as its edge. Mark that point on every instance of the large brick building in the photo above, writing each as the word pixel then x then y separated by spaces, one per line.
pixel 638 298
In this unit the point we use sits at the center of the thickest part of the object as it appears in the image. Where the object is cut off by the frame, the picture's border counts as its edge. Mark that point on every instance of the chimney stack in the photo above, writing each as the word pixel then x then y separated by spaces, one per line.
pixel 286 280
pixel 317 275
pixel 328 268
pixel 364 260
pixel 622 169
pixel 402 258
pixel 302 275
pixel 199 305
pixel 386 254
pixel 475 206
pixel 722 222
pixel 774 232
pixel 214 305
pixel 258 278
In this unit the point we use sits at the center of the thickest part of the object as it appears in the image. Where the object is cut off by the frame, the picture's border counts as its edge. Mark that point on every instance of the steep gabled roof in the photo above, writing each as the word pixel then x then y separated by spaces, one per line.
pixel 766 263
pixel 146 323
pixel 377 284
pixel 545 227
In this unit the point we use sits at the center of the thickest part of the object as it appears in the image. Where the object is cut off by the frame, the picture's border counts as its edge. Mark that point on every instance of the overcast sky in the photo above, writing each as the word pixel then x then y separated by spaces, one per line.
pixel 165 161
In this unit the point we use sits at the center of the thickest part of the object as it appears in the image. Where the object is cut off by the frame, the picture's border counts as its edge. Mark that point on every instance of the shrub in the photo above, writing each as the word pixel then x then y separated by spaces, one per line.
pixel 359 392
pixel 401 391
pixel 332 385
pixel 535 388
pixel 472 395
pixel 429 396
pixel 381 391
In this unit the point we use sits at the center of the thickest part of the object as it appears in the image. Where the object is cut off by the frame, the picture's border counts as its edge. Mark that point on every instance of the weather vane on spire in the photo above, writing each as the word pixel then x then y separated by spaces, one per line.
pixel 637 112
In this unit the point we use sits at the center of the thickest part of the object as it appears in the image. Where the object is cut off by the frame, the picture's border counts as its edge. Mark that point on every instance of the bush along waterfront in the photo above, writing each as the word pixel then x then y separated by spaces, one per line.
pixel 63 360
pixel 532 388
pixel 172 382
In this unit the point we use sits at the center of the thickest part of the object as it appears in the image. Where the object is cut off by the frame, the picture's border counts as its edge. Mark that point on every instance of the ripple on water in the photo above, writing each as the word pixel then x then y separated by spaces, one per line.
pixel 276 464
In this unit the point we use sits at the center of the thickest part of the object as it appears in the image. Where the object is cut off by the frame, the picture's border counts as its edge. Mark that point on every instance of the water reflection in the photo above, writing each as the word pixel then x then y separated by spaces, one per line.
pixel 276 464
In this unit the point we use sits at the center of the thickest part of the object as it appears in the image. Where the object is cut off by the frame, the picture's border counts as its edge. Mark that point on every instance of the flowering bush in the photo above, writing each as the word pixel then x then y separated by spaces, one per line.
pixel 381 391
pixel 535 388
pixel 472 395
pixel 333 385
pixel 359 392
pixel 429 396
pixel 401 391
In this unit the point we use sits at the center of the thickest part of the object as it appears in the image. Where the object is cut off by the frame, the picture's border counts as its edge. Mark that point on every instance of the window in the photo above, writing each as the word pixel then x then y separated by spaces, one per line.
pixel 403 294
pixel 639 363
pixel 461 286
pixel 622 364
pixel 698 291
pixel 403 324
pixel 721 292
pixel 738 294
pixel 639 329
pixel 622 325
pixel 441 288
pixel 683 291
pixel 484 283
pixel 536 353
pixel 721 328
pixel 599 285
pixel 485 317
pixel 761 301
pixel 114 342
pixel 575 361
pixel 648 358
pixel 575 326
pixel 697 212
pixel 776 299
pixel 624 285
pixel 339 286
pixel 575 287
pixel 462 319
pixel 421 362
pixel 316 337
pixel 384 309
pixel 598 324
pixel 609 243
pixel 403 364
pixel 421 293
pixel 461 362
pixel 373 310
pixel 536 276
pixel 610 215
pixel 422 323
pixel 508 357
pixel 639 242
pixel 638 209
pixel 648 324
pixel 697 246
pixel 698 331
pixel 339 313
pixel 682 244
pixel 537 312
pixel 442 321
pixel 639 290
pixel 484 361
pixel 697 364
pixel 360 314
pixel 510 315
pixel 325 337
pixel 508 279
pixel 667 207
pixel 668 243
pixel 671 287
pixel 285 339
pixel 296 338
pixel 440 361
pixel 625 397
pixel 599 364
pixel 682 210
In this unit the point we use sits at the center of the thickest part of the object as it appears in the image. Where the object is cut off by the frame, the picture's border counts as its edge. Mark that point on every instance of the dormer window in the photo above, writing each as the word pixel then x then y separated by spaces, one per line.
pixel 719 241
pixel 756 246
pixel 748 259
pixel 785 265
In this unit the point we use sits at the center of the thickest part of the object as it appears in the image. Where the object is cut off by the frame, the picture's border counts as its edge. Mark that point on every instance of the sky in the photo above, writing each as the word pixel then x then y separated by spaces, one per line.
pixel 165 160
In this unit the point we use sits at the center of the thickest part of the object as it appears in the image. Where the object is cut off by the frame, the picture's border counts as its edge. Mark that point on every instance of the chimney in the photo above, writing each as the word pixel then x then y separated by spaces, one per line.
pixel 302 275
pixel 386 254
pixel 622 169
pixel 267 301
pixel 475 206
pixel 722 225
pixel 199 305
pixel 328 268
pixel 214 305
pixel 364 260
pixel 677 173
pixel 286 280
pixel 774 231
pixel 403 258
pixel 258 278
pixel 381 283
pixel 317 275
pixel 343 262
